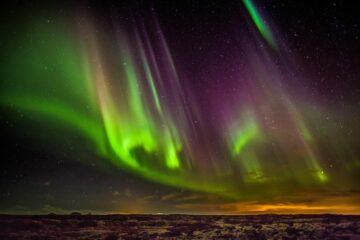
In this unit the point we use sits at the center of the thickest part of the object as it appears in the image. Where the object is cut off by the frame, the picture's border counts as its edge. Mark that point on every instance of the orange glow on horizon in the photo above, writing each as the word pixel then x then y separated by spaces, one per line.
pixel 275 208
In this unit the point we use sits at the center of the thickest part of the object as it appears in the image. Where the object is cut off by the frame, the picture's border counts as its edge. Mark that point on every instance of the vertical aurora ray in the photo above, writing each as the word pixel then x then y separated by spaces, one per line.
pixel 243 135
pixel 307 138
pixel 148 72
pixel 172 142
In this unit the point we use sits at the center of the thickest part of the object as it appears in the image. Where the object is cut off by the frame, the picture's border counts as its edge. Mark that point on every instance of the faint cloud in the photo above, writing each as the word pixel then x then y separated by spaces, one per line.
pixel 170 196
pixel 47 183
pixel 150 197
pixel 127 192
pixel 189 198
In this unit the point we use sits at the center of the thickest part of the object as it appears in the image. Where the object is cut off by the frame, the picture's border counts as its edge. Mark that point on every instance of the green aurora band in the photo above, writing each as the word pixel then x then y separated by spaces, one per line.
pixel 260 23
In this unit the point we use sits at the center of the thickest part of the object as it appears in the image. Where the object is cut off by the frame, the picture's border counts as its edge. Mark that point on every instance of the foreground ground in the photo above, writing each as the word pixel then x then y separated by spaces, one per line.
pixel 113 227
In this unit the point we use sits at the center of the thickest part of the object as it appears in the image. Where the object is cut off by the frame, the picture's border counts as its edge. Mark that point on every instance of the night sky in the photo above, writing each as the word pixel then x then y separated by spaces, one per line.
pixel 202 107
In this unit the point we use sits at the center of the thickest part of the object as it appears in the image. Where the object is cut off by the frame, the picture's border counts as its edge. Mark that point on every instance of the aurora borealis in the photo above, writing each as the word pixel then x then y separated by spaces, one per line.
pixel 181 107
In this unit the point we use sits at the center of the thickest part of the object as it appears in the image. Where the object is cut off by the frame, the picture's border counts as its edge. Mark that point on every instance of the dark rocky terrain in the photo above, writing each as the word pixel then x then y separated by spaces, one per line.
pixel 112 227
